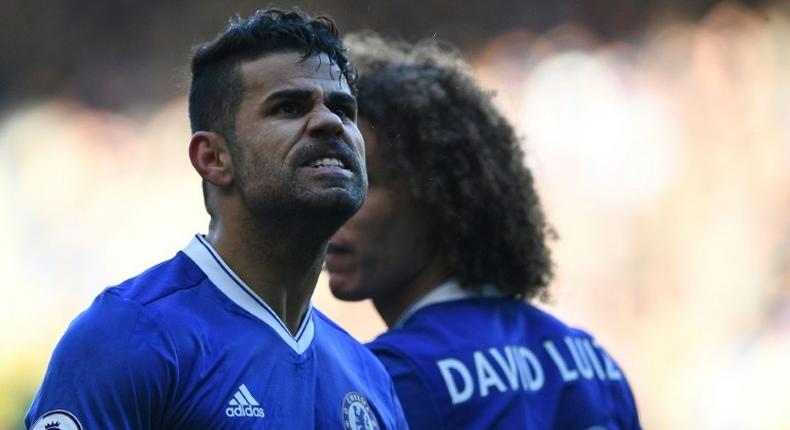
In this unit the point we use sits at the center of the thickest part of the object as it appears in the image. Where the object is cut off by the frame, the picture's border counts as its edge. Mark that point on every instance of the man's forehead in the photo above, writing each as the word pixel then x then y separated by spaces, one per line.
pixel 290 69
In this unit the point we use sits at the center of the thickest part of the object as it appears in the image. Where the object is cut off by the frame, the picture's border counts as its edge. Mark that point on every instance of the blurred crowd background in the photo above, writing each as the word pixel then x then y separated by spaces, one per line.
pixel 658 130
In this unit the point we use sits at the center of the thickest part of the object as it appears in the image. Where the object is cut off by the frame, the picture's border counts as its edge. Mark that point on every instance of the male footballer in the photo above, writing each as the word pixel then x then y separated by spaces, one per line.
pixel 451 246
pixel 223 335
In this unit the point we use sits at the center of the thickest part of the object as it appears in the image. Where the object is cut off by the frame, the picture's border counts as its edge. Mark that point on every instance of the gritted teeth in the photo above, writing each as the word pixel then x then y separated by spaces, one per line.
pixel 327 162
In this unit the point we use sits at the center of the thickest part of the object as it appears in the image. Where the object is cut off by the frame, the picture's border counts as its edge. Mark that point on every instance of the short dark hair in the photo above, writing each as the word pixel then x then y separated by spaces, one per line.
pixel 217 87
pixel 460 159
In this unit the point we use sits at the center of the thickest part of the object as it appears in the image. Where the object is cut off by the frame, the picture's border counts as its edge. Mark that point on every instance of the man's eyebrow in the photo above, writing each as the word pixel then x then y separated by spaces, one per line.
pixel 290 94
pixel 338 97
pixel 334 98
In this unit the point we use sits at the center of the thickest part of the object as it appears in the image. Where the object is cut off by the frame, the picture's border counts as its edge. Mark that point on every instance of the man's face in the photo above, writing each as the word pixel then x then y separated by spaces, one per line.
pixel 297 145
pixel 386 244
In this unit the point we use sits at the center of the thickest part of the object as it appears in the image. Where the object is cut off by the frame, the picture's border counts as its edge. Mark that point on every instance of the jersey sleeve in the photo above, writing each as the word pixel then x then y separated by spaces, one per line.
pixel 397 408
pixel 419 407
pixel 627 415
pixel 113 368
pixel 624 404
pixel 607 405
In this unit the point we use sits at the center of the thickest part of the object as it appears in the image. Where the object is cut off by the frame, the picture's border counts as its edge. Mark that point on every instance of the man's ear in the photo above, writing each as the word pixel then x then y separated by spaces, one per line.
pixel 210 156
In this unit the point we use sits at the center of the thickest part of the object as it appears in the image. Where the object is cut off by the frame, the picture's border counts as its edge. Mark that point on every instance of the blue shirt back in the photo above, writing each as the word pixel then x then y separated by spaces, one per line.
pixel 188 345
pixel 464 361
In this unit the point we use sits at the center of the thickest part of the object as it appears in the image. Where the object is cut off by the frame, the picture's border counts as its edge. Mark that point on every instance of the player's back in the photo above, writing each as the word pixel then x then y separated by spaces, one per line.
pixel 494 362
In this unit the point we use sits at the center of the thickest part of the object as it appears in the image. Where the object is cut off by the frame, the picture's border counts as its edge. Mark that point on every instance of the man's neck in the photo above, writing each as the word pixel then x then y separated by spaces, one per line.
pixel 392 305
pixel 279 267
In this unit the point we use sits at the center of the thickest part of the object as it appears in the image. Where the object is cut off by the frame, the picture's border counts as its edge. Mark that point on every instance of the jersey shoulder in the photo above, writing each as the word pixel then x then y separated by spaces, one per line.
pixel 122 325
pixel 122 314
pixel 160 281
pixel 550 325
pixel 112 355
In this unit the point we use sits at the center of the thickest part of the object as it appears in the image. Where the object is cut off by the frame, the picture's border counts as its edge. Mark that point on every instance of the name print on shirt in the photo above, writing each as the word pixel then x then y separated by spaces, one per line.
pixel 516 367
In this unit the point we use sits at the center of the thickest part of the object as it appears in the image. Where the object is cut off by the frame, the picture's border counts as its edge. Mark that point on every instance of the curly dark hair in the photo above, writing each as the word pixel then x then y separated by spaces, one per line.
pixel 217 87
pixel 460 158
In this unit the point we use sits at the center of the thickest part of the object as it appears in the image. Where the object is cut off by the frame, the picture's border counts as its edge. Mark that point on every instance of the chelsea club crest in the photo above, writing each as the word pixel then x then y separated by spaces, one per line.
pixel 357 414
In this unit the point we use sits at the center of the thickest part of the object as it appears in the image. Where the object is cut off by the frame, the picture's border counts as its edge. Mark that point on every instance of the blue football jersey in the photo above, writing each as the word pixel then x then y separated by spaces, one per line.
pixel 461 360
pixel 187 345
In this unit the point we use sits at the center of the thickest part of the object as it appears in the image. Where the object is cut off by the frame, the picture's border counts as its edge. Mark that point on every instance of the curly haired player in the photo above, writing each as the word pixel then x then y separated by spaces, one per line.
pixel 451 245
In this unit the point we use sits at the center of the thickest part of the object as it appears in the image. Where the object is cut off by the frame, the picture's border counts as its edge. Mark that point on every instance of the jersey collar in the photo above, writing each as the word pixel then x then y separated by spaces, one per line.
pixel 209 261
pixel 448 291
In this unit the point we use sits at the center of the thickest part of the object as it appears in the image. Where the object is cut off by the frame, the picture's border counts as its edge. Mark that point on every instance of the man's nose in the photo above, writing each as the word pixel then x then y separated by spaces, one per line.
pixel 323 123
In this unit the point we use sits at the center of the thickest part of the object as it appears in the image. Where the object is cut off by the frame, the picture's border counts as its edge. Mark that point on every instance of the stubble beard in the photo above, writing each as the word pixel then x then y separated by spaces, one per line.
pixel 281 201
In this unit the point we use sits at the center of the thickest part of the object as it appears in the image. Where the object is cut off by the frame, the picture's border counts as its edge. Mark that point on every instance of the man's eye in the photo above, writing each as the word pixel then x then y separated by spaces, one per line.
pixel 345 112
pixel 287 109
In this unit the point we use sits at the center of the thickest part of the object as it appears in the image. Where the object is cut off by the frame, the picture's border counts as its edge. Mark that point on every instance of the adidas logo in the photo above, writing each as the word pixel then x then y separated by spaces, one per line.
pixel 244 405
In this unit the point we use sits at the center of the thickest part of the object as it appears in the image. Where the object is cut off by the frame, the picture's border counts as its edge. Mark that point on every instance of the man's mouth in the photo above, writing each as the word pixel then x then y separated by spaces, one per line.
pixel 328 162
pixel 339 259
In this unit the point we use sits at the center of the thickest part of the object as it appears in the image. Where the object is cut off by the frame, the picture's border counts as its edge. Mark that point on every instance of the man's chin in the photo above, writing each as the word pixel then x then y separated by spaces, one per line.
pixel 343 288
pixel 342 197
pixel 313 210
pixel 336 203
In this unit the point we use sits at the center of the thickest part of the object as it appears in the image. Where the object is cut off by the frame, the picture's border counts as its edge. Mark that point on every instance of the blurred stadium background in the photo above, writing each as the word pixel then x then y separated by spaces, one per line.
pixel 659 132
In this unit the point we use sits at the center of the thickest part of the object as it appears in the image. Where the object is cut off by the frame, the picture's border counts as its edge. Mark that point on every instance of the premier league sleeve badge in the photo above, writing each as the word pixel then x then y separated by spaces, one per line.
pixel 57 420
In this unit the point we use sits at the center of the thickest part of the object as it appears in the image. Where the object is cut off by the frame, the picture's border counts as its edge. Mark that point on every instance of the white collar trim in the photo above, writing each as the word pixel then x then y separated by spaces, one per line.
pixel 209 261
pixel 448 291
